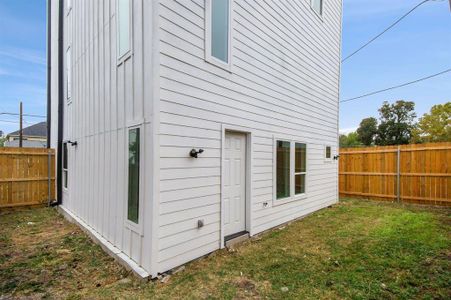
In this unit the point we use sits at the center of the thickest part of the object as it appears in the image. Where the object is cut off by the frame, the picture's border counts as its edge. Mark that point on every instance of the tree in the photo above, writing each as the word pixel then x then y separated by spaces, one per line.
pixel 350 141
pixel 2 139
pixel 367 131
pixel 396 123
pixel 435 126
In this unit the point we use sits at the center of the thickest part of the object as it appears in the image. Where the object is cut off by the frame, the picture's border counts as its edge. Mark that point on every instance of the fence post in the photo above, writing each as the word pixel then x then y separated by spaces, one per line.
pixel 398 175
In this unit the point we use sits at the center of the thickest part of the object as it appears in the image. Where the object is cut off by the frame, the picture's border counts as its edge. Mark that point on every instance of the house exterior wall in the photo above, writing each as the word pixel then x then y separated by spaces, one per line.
pixel 108 96
pixel 283 82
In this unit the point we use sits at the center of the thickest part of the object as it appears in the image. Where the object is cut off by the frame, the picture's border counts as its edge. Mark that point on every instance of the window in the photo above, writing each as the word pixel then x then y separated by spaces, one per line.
pixel 300 168
pixel 317 6
pixel 328 152
pixel 218 29
pixel 68 74
pixel 65 166
pixel 133 174
pixel 283 169
pixel 123 27
pixel 291 170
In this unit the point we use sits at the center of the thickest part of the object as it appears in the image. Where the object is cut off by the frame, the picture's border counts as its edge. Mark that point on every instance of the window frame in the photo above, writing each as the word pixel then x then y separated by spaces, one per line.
pixel 124 56
pixel 69 74
pixel 327 159
pixel 135 227
pixel 293 197
pixel 208 40
pixel 65 167
pixel 319 14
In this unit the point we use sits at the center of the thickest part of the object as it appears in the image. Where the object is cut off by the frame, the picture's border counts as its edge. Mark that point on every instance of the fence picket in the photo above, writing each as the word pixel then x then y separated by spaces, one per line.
pixel 424 173
pixel 24 176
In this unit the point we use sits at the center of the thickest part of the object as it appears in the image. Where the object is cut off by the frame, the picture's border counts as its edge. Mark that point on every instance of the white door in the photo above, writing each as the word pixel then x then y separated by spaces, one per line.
pixel 234 190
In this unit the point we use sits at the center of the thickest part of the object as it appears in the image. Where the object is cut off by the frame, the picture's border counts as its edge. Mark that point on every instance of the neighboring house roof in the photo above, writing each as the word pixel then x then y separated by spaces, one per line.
pixel 36 130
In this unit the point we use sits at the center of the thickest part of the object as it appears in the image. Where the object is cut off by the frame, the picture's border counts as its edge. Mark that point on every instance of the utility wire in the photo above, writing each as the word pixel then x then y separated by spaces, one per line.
pixel 397 86
pixel 25 115
pixel 387 29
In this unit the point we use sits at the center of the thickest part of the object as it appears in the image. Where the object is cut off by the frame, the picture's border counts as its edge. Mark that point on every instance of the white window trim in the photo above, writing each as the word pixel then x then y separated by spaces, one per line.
pixel 208 57
pixel 135 227
pixel 65 178
pixel 325 153
pixel 293 197
pixel 121 58
pixel 319 15
pixel 69 75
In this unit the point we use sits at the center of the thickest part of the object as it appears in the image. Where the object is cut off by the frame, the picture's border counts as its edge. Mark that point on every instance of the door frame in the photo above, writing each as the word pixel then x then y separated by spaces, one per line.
pixel 248 133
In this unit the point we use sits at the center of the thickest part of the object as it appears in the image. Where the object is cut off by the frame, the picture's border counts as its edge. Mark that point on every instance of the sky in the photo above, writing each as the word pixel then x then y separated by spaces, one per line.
pixel 417 47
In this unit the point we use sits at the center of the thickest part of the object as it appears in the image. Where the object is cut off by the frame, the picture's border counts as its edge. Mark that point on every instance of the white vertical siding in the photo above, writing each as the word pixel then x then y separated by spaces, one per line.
pixel 284 81
pixel 107 96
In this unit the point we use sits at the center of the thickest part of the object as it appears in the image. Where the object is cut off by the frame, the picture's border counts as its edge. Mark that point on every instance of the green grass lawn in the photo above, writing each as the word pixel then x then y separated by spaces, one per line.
pixel 355 250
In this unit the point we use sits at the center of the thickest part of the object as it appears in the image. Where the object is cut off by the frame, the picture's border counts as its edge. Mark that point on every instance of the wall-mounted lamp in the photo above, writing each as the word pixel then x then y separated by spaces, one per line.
pixel 336 157
pixel 195 153
pixel 72 143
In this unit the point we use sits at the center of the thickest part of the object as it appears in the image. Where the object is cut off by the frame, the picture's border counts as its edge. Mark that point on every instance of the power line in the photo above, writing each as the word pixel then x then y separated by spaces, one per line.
pixel 397 86
pixel 387 29
pixel 25 115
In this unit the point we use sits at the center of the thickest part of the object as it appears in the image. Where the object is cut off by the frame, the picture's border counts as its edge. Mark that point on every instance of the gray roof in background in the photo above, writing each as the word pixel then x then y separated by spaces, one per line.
pixel 39 129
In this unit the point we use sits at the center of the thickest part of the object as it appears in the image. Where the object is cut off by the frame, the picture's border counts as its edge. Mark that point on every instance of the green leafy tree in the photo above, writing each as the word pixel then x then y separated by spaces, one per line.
pixel 367 131
pixel 434 126
pixel 2 139
pixel 396 123
pixel 350 141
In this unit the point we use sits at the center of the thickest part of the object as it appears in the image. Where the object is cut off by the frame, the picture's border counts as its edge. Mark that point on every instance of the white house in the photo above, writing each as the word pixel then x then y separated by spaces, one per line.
pixel 183 123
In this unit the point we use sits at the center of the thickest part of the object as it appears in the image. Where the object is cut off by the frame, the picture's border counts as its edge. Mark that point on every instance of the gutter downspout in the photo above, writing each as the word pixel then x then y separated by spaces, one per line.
pixel 49 70
pixel 59 164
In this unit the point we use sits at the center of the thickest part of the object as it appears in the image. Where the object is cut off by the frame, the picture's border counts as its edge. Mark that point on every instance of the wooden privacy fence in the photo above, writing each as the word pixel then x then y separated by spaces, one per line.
pixel 27 176
pixel 409 173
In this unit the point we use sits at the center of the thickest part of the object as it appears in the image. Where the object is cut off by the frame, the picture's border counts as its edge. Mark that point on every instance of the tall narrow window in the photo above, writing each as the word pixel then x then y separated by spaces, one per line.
pixel 283 169
pixel 328 152
pixel 300 168
pixel 133 174
pixel 68 74
pixel 317 6
pixel 123 27
pixel 65 166
pixel 218 32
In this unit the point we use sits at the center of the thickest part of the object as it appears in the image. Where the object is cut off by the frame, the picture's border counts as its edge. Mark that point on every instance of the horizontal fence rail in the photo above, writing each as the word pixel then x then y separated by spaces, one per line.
pixel 27 176
pixel 408 173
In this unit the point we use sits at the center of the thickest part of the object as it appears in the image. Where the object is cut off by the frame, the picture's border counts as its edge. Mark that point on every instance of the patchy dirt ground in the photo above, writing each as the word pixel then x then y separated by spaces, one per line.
pixel 356 249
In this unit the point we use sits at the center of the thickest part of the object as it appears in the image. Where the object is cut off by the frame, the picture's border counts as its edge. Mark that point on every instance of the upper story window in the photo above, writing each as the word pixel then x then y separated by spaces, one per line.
pixel 317 6
pixel 69 74
pixel 218 32
pixel 123 27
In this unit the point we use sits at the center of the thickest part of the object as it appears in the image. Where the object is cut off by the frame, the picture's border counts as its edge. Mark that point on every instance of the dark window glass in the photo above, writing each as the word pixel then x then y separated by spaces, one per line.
pixel 133 174
pixel 283 169
pixel 300 158
pixel 328 152
pixel 300 168
pixel 65 166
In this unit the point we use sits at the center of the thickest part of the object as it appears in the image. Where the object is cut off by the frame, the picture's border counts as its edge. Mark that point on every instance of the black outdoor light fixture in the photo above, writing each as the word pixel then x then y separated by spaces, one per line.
pixel 195 153
pixel 336 157
pixel 72 143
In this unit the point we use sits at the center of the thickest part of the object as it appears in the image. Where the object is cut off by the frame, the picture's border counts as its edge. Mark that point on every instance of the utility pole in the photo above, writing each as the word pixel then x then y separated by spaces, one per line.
pixel 21 126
